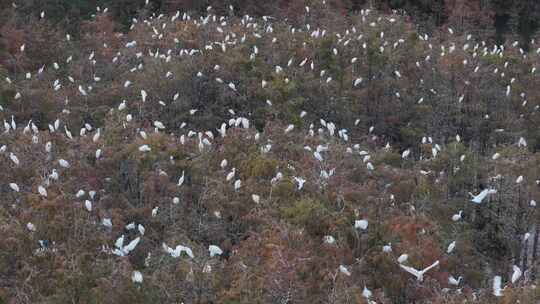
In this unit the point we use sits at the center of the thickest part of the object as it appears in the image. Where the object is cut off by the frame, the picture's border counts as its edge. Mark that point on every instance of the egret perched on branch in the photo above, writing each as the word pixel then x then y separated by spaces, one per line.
pixel 362 224
pixel 137 277
pixel 122 250
pixel 181 179
pixel 516 274
pixel 214 250
pixel 497 291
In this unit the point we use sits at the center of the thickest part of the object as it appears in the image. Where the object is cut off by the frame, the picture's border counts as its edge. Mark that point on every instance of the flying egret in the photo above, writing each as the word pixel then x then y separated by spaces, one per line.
pixel 482 195
pixel 419 274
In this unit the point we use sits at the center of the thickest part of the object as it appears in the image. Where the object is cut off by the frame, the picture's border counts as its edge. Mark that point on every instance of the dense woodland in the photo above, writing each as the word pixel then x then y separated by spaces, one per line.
pixel 269 152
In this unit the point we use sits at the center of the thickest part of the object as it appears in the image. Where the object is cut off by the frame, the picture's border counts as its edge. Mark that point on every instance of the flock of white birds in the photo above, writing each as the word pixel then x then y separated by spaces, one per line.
pixel 253 30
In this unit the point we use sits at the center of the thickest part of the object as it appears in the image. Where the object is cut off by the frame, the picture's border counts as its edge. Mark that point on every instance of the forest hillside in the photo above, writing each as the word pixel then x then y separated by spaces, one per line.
pixel 318 154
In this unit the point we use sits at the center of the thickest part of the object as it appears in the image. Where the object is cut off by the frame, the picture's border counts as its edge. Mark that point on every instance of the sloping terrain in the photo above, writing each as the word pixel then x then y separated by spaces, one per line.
pixel 217 159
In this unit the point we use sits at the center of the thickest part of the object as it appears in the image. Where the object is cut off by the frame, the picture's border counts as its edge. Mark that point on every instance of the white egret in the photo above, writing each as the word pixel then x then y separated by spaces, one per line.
pixel 419 274
pixel 214 250
pixel 137 277
pixel 482 195
pixel 361 224
pixel 516 274
pixel 497 291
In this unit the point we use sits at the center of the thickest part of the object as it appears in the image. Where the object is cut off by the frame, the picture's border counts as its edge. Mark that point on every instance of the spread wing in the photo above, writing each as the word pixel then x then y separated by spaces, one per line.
pixel 411 270
pixel 431 266
pixel 132 245
pixel 480 197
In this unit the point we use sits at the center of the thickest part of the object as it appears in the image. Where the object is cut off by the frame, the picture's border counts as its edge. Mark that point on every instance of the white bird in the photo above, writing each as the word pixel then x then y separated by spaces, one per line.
pixel 143 95
pixel 451 247
pixel 482 195
pixel 159 125
pixel 141 229
pixel 387 248
pixel 137 277
pixel 63 163
pixel 122 250
pixel 80 193
pixel 31 227
pixel 88 205
pixel 231 174
pixel 362 224
pixel 318 156
pixel 328 239
pixel 454 281
pixel 82 91
pixel 145 148
pixel 256 198
pixel 223 164
pixel 98 153
pixel 14 158
pixel 403 258
pixel 107 222
pixel 344 270
pixel 405 153
pixel 214 250
pixel 419 274
pixel 519 180
pixel 14 187
pixel 497 291
pixel 366 293
pixel 516 274
pixel 456 217
pixel 237 184
pixel 181 180
pixel 300 182
pixel 42 191
pixel 175 253
pixel 289 128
